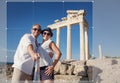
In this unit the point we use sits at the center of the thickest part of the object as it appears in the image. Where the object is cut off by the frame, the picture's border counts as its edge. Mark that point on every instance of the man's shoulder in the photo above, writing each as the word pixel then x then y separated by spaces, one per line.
pixel 27 35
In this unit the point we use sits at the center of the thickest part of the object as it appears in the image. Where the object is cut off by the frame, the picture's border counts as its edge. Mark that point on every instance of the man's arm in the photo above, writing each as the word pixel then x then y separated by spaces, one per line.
pixel 34 55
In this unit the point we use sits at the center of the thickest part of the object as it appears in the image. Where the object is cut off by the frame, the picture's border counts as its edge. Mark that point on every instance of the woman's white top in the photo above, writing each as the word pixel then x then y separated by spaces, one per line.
pixel 22 59
pixel 44 49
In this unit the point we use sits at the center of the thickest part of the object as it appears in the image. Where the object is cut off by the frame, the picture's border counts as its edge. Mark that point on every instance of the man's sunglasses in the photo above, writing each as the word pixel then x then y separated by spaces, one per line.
pixel 35 29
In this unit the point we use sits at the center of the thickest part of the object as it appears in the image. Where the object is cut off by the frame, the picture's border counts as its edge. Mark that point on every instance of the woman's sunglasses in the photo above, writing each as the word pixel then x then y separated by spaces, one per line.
pixel 44 33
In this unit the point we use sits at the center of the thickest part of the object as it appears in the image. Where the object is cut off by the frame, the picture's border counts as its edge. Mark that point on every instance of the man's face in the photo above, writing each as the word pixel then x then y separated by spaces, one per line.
pixel 36 31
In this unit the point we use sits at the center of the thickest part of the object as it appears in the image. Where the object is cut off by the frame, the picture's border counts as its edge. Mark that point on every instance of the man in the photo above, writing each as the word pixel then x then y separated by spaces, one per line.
pixel 25 56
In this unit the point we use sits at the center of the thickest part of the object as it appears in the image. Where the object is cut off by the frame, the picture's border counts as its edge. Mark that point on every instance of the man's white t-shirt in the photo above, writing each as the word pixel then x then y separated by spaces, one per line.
pixel 22 59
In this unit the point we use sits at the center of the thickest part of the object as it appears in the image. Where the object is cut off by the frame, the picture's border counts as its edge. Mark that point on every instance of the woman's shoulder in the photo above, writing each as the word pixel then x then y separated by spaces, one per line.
pixel 48 41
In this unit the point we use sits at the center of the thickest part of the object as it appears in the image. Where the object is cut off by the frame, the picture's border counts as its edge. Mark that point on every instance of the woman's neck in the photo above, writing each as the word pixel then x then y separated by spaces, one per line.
pixel 44 40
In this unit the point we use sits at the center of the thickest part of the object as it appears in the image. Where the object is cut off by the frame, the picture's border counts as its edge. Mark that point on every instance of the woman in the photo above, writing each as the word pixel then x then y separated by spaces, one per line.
pixel 46 71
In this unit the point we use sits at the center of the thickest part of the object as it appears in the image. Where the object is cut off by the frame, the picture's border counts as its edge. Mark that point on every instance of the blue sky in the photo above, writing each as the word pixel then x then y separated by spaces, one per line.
pixel 106 25
pixel 22 15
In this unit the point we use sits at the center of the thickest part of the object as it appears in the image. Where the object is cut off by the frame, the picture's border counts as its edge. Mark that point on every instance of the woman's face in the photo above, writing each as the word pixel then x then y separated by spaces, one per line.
pixel 46 35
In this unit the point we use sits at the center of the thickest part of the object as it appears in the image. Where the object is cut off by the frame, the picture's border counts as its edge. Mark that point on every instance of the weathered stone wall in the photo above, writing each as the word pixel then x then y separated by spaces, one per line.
pixel 71 71
pixel 9 71
pixel 105 70
pixel 6 71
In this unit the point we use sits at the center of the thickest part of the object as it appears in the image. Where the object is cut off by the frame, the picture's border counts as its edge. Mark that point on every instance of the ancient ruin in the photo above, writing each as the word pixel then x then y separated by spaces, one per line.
pixel 73 17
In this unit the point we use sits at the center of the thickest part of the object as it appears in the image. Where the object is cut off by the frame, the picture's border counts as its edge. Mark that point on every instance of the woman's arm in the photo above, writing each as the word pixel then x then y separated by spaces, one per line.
pixel 57 52
pixel 58 55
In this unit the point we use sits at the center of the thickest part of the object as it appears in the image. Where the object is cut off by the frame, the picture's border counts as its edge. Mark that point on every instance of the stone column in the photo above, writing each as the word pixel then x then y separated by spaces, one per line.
pixel 82 42
pixel 58 37
pixel 69 51
pixel 100 51
pixel 86 44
